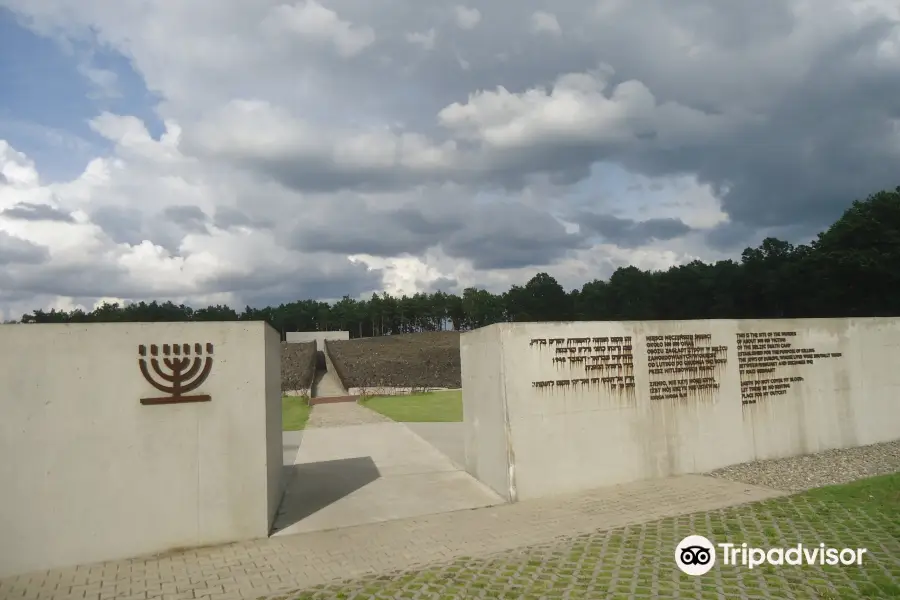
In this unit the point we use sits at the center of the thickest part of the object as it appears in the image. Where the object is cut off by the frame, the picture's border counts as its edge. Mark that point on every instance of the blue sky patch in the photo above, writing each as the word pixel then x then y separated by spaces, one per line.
pixel 51 92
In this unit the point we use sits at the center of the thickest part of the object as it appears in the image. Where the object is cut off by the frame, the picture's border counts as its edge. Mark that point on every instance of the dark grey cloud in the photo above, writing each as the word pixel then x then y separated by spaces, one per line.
pixel 628 233
pixel 801 103
pixel 14 250
pixel 828 141
pixel 28 211
pixel 350 227
pixel 508 236
pixel 491 235
pixel 818 129
pixel 16 302
pixel 319 173
pixel 129 225
pixel 731 236
pixel 228 218
pixel 448 285
pixel 91 280
pixel 327 278
pixel 330 278
pixel 437 225
pixel 124 225
pixel 815 141
pixel 189 218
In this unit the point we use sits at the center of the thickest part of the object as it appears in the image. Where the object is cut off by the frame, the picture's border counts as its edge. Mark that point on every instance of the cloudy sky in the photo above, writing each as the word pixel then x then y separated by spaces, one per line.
pixel 258 151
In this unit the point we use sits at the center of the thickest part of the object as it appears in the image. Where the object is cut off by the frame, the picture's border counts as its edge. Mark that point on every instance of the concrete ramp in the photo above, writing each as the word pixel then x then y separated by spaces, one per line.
pixel 326 383
pixel 357 474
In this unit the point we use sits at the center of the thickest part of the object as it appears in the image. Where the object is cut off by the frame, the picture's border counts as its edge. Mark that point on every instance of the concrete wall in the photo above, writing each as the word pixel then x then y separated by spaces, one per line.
pixel 319 337
pixel 578 409
pixel 89 473
pixel 274 442
pixel 487 437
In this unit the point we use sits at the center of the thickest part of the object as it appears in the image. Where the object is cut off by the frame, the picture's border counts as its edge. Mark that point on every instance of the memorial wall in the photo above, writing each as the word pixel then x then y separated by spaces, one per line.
pixel 584 404
pixel 124 439
pixel 320 337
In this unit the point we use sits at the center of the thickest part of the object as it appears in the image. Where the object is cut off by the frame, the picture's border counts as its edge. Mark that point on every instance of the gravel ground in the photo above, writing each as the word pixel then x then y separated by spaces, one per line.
pixel 830 467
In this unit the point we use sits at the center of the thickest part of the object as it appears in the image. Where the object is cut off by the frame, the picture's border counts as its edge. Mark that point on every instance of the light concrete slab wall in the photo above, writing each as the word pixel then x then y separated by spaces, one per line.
pixel 488 449
pixel 598 403
pixel 299 337
pixel 89 473
pixel 274 434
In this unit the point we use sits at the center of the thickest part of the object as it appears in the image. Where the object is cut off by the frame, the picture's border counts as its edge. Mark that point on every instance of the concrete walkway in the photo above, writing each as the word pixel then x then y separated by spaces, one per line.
pixel 343 414
pixel 279 564
pixel 446 437
pixel 355 466
pixel 327 384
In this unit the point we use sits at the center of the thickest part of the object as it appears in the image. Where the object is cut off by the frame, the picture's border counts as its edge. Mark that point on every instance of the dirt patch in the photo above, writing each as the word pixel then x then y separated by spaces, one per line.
pixel 298 365
pixel 410 360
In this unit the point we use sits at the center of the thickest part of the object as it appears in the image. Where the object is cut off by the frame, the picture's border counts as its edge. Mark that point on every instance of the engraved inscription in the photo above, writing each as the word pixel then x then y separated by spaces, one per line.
pixel 760 354
pixel 605 362
pixel 683 365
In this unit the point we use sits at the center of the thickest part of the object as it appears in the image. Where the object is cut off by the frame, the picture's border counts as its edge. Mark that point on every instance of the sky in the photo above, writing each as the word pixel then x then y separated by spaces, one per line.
pixel 259 152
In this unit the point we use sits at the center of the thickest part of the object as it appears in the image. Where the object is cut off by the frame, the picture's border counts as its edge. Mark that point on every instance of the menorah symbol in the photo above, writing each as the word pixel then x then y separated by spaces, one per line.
pixel 186 374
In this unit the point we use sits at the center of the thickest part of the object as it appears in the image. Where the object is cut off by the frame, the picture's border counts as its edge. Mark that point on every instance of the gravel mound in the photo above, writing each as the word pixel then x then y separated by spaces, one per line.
pixel 831 467
pixel 429 359
pixel 298 365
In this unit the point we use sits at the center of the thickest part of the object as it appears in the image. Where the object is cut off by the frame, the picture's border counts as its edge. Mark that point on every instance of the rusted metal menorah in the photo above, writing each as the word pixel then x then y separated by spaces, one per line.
pixel 183 372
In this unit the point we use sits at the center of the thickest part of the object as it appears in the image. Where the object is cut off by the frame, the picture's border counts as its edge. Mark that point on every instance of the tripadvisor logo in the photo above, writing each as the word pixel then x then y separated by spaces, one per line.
pixel 696 555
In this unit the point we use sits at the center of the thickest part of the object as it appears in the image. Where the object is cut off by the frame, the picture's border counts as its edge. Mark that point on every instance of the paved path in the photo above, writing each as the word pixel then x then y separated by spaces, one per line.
pixel 326 383
pixel 342 414
pixel 254 569
pixel 290 444
pixel 347 474
pixel 446 437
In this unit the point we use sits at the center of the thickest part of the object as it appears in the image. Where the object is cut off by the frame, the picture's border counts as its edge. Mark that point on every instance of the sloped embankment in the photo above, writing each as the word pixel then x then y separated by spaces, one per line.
pixel 298 366
pixel 428 359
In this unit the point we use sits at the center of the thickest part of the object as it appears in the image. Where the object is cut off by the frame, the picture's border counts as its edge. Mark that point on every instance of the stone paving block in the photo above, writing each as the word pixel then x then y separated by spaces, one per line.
pixel 254 569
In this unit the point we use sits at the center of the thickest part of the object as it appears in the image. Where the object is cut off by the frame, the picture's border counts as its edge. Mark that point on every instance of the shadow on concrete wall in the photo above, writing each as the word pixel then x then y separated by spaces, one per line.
pixel 313 486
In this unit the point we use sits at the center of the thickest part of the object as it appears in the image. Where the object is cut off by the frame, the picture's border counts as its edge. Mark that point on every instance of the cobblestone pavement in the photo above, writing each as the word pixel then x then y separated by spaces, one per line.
pixel 341 414
pixel 637 561
pixel 257 569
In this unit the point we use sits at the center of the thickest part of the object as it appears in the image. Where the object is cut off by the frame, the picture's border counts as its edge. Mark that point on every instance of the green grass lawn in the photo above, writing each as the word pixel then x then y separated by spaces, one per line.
pixel 294 412
pixel 431 407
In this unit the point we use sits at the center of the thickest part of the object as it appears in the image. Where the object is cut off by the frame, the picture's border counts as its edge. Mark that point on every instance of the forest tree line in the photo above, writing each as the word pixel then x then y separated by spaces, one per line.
pixel 850 270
